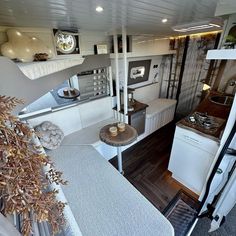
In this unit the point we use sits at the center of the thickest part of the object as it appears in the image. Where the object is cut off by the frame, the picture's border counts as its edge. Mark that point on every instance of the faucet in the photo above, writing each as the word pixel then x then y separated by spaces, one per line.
pixel 230 86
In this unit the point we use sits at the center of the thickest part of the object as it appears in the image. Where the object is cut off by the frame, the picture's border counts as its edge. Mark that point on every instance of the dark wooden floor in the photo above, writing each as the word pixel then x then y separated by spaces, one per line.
pixel 145 166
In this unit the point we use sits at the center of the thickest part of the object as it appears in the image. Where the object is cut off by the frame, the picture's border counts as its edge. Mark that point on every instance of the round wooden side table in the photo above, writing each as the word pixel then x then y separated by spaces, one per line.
pixel 122 139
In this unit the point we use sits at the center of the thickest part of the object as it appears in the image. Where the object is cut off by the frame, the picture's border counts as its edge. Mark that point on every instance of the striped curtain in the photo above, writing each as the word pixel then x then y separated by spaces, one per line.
pixel 195 72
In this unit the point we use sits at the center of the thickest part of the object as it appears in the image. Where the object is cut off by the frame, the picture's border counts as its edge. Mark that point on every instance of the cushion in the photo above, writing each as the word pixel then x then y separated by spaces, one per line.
pixel 159 105
pixel 50 135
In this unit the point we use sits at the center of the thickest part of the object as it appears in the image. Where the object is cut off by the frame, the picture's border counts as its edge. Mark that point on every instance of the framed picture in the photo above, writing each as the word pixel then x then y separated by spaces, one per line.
pixel 138 71
pixel 66 42
pixel 100 49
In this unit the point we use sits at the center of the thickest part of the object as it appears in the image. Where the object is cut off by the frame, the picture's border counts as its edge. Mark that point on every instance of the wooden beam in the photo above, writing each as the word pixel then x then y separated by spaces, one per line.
pixel 182 69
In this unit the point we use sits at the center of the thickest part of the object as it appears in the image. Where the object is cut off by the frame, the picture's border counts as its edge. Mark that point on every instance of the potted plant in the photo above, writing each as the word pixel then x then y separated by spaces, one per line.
pixel 230 41
pixel 24 186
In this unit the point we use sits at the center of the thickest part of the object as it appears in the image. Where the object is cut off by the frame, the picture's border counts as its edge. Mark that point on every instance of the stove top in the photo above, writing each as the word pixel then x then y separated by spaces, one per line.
pixel 204 123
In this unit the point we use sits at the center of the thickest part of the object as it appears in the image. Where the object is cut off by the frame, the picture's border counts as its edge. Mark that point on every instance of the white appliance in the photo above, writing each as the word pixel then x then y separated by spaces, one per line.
pixel 191 158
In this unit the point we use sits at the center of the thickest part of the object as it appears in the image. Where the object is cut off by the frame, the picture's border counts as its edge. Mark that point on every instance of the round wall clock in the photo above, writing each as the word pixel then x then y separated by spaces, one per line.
pixel 66 42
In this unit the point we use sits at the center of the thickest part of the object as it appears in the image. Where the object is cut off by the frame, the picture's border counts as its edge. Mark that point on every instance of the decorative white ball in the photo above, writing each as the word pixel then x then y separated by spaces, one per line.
pixel 23 47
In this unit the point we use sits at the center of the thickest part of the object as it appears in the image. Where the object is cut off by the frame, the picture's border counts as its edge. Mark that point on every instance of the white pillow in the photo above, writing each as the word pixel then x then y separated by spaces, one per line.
pixel 50 135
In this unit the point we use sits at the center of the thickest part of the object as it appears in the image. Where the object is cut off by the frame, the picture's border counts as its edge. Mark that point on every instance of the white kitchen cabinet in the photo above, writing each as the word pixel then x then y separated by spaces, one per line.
pixel 191 157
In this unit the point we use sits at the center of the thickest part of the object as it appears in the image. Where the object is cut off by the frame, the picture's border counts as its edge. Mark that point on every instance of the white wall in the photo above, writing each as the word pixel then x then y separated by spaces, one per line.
pixel 87 39
pixel 148 93
pixel 149 45
pixel 68 120
pixel 145 48
pixel 155 60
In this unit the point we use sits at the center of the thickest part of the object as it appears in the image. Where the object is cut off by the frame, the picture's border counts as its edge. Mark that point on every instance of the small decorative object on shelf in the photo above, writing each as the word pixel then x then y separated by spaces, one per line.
pixel 230 42
pixel 66 42
pixel 230 39
pixel 100 49
pixel 41 57
pixel 24 187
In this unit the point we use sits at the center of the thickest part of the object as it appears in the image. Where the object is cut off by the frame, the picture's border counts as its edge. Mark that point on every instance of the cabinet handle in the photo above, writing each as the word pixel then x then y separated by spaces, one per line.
pixel 191 139
pixel 219 171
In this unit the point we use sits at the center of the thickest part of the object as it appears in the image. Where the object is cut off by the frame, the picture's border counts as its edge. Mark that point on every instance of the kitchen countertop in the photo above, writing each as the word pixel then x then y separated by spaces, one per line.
pixel 219 112
pixel 216 136
pixel 213 109
pixel 138 106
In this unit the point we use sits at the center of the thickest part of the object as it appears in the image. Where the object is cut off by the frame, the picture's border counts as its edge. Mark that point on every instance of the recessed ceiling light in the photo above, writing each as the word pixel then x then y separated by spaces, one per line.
pixel 164 20
pixel 99 9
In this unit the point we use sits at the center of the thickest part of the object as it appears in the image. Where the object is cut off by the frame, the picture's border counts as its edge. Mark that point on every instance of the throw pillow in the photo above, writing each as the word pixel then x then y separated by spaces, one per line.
pixel 50 135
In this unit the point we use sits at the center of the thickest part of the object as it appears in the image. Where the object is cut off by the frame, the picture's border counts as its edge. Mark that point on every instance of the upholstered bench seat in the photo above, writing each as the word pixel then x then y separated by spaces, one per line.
pixel 159 105
pixel 159 113
pixel 102 201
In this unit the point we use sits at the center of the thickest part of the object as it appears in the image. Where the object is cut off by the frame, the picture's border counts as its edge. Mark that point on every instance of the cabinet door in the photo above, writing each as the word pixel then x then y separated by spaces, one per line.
pixel 137 120
pixel 189 165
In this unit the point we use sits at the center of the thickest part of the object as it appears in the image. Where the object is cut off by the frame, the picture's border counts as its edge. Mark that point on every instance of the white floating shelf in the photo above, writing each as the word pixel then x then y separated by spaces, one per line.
pixel 35 70
pixel 221 54
pixel 130 54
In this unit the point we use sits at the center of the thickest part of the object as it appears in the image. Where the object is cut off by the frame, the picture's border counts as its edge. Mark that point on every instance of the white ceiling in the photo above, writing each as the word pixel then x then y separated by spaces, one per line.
pixel 140 16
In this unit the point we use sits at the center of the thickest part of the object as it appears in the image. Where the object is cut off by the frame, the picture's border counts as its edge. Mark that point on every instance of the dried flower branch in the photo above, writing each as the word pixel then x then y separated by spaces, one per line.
pixel 23 184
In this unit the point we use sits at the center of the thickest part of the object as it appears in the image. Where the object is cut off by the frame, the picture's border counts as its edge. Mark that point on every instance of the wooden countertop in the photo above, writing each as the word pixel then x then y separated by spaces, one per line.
pixel 213 109
pixel 218 111
pixel 214 134
pixel 138 106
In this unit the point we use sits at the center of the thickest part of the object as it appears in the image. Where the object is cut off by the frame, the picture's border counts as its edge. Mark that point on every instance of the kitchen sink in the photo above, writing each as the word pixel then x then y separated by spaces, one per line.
pixel 222 100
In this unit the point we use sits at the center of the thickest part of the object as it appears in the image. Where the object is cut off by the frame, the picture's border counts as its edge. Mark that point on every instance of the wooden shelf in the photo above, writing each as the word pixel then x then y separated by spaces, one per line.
pixel 221 54
pixel 131 55
pixel 138 106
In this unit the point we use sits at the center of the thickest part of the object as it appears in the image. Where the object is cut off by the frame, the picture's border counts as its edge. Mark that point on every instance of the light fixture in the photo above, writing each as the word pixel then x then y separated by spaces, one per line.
pixel 164 20
pixel 99 9
pixel 206 87
pixel 196 26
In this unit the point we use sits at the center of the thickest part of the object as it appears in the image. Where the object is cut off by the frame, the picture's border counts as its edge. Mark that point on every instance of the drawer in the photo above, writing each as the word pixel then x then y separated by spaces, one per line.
pixel 196 140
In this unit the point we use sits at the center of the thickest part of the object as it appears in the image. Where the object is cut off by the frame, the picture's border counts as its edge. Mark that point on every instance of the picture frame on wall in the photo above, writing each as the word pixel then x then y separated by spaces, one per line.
pixel 100 49
pixel 66 42
pixel 138 71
